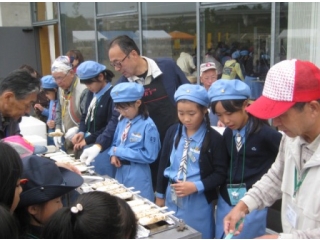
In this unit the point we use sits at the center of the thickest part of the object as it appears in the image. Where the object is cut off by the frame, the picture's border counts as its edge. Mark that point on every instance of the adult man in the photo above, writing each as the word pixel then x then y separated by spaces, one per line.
pixel 160 78
pixel 71 97
pixel 18 91
pixel 208 75
pixel 291 97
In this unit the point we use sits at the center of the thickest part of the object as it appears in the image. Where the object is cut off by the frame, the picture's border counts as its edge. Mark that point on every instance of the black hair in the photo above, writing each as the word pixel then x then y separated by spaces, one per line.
pixel 31 70
pixel 10 172
pixel 125 43
pixel 103 216
pixel 206 140
pixel 9 228
pixel 143 110
pixel 237 105
pixel 107 74
pixel 21 83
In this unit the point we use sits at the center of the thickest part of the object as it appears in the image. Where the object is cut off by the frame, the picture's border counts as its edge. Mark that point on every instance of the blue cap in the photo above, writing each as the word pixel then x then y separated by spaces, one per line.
pixel 48 82
pixel 235 54
pixel 127 92
pixel 194 93
pixel 89 69
pixel 223 89
pixel 244 53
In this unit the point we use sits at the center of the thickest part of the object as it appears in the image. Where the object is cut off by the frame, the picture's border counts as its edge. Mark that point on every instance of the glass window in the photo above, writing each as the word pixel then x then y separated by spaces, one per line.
pixel 110 27
pixel 104 8
pixel 168 29
pixel 44 11
pixel 241 33
pixel 77 28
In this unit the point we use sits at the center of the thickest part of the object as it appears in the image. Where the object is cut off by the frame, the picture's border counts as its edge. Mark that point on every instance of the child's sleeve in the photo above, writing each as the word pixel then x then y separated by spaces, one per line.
pixel 149 150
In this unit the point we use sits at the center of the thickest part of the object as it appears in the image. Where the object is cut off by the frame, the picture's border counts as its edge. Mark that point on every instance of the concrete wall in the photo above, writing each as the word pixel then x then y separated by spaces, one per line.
pixel 17 14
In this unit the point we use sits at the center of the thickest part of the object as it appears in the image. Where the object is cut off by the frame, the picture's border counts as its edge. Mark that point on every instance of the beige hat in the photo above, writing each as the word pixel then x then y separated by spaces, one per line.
pixel 206 66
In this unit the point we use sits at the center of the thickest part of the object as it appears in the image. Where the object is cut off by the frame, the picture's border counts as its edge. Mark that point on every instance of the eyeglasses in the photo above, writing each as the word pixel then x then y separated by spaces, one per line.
pixel 60 79
pixel 119 64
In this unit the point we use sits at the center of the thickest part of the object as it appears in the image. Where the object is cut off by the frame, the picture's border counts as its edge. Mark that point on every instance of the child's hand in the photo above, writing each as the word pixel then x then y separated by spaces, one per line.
pixel 160 202
pixel 79 145
pixel 183 189
pixel 115 161
pixel 38 106
pixel 51 124
pixel 77 138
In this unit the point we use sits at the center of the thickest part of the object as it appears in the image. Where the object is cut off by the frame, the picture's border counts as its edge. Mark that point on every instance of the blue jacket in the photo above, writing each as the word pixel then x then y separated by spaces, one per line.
pixel 260 149
pixel 213 163
pixel 104 115
pixel 142 144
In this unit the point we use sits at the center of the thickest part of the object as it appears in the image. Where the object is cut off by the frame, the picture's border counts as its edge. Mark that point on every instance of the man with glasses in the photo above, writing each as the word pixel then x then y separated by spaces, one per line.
pixel 71 97
pixel 160 78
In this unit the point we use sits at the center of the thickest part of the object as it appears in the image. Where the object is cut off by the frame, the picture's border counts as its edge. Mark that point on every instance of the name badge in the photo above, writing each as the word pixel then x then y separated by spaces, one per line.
pixel 291 216
pixel 236 192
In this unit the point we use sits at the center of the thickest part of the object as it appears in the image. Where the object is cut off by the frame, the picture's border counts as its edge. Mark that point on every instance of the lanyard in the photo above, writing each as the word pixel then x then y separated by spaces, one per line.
pixel 297 184
pixel 243 160
pixel 66 99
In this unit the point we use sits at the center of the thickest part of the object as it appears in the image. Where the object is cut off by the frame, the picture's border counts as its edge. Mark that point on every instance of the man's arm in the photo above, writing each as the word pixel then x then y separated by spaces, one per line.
pixel 262 194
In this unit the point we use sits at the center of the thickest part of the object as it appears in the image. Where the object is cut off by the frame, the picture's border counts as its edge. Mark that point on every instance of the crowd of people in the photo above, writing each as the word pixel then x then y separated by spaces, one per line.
pixel 153 131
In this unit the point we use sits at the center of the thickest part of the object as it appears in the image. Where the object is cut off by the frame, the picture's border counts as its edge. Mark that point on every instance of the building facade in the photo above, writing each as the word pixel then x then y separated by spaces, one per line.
pixel 269 31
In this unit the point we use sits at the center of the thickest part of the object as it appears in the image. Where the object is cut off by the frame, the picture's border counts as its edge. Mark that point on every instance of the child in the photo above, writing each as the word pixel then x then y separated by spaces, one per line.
pixel 252 148
pixel 136 142
pixel 41 196
pixel 10 176
pixel 99 110
pixel 95 215
pixel 50 88
pixel 193 162
pixel 9 228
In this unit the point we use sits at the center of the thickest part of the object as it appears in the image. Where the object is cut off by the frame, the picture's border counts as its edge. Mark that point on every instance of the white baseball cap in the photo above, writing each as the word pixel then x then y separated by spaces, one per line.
pixel 207 66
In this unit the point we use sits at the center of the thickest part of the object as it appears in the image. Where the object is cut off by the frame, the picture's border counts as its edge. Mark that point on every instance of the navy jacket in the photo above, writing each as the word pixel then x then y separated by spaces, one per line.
pixel 103 114
pixel 9 127
pixel 213 163
pixel 260 149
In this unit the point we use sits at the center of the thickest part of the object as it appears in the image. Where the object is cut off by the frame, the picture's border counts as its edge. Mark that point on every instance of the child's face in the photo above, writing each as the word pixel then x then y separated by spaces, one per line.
pixel 235 120
pixel 191 115
pixel 43 212
pixel 51 95
pixel 131 111
pixel 96 86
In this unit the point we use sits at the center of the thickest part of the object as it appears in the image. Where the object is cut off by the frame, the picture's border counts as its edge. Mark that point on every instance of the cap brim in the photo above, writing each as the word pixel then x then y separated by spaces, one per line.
pixel 39 149
pixel 36 195
pixel 266 108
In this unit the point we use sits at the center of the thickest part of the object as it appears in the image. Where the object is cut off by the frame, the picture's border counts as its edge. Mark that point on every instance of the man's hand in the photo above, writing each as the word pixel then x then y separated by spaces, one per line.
pixel 90 153
pixel 233 217
pixel 183 189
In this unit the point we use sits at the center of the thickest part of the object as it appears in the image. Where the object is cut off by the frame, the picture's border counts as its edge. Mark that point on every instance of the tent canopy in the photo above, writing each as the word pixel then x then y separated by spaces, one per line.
pixel 181 35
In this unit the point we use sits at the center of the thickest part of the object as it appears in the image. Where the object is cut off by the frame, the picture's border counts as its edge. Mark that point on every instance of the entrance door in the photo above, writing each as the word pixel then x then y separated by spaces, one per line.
pixel 49 46
pixel 243 28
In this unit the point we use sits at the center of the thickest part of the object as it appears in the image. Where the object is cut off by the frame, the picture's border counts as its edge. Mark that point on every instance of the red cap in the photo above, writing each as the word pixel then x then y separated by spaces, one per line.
pixel 287 83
